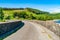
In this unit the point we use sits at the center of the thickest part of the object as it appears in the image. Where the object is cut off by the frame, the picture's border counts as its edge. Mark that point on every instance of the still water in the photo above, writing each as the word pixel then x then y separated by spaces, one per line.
pixel 57 21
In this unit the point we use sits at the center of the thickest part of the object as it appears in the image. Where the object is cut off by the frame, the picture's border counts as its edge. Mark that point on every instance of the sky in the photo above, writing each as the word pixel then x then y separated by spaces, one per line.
pixel 44 5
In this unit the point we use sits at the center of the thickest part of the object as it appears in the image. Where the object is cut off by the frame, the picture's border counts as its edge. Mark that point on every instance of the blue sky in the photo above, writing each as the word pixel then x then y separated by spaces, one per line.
pixel 45 5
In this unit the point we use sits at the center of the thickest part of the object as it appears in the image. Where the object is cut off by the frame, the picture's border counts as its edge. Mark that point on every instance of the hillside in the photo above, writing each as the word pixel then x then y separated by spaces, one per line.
pixel 27 13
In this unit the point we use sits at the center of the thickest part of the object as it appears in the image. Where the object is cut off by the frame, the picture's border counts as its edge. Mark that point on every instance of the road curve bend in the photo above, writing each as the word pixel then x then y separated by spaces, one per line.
pixel 33 31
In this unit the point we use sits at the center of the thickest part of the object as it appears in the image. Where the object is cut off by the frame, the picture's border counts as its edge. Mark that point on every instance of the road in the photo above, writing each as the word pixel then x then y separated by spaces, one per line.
pixel 33 31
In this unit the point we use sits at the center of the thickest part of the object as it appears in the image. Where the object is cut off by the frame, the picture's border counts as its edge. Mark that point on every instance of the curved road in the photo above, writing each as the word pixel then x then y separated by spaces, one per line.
pixel 33 31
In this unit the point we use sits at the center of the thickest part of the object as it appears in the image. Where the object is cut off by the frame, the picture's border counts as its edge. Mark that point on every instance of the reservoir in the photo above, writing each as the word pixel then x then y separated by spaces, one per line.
pixel 57 21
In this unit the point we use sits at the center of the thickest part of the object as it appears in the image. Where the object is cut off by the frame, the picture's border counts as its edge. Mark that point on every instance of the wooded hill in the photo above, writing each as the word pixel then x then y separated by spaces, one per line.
pixel 27 13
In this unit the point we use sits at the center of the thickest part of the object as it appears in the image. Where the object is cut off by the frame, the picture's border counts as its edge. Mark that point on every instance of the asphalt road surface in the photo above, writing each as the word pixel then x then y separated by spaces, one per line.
pixel 33 31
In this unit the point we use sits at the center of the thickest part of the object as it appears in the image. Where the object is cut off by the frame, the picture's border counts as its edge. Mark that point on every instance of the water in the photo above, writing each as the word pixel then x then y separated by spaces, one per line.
pixel 57 21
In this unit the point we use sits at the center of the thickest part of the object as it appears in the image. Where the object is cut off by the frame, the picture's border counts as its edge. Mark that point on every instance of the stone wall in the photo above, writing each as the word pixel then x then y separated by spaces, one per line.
pixel 8 26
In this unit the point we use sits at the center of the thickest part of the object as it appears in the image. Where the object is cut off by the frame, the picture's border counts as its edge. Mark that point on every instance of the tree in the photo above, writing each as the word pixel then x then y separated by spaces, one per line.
pixel 1 14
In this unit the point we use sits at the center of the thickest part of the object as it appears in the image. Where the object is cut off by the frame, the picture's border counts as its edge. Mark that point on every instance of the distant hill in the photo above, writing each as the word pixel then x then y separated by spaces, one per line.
pixel 36 11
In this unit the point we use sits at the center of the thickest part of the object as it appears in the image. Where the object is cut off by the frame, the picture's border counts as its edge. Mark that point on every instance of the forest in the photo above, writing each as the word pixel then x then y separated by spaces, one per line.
pixel 26 13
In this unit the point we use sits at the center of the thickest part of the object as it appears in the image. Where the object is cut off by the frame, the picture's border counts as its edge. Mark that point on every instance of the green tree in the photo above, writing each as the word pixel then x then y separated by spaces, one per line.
pixel 1 14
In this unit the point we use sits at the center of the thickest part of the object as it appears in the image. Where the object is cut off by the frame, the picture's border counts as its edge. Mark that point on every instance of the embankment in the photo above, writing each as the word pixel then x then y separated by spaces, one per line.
pixel 51 25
